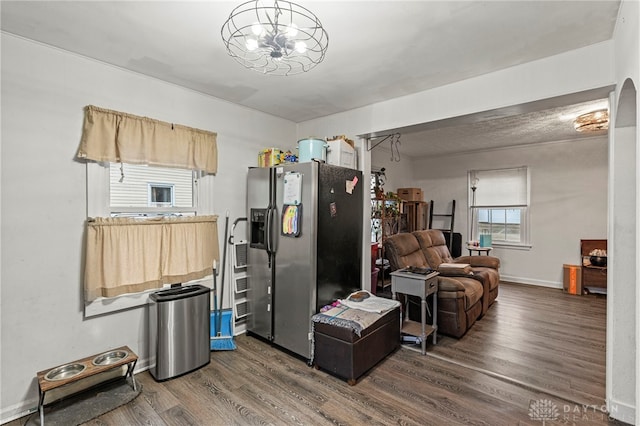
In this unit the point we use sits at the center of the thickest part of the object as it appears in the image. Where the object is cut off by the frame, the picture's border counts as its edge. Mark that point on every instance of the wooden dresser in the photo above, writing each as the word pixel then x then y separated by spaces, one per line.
pixel 594 278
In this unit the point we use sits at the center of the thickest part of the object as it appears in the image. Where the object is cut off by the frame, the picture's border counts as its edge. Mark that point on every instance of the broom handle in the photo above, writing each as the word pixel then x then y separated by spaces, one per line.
pixel 224 264
pixel 215 288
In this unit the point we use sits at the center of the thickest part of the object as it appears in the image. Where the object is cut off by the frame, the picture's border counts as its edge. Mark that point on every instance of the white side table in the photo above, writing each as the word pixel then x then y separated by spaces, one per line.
pixel 422 285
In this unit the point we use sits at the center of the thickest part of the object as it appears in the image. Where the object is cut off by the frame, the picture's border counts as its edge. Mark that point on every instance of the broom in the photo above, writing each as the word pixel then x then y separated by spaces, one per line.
pixel 220 342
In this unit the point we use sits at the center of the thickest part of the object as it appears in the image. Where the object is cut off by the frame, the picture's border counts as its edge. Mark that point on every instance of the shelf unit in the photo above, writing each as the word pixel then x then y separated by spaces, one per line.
pixel 387 213
pixel 594 278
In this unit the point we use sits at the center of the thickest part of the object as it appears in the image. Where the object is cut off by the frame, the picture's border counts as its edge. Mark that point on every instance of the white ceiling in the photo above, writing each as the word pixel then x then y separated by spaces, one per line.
pixel 536 122
pixel 378 50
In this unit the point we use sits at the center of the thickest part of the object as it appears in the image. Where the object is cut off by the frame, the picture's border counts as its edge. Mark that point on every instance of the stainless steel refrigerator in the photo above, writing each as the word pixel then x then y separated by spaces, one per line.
pixel 305 247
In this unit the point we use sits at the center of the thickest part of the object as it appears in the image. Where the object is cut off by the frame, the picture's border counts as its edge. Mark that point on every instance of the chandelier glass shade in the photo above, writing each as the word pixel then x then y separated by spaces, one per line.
pixel 275 37
pixel 592 121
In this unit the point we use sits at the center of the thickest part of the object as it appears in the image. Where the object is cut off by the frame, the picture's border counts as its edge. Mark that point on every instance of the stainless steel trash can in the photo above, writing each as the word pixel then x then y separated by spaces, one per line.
pixel 179 331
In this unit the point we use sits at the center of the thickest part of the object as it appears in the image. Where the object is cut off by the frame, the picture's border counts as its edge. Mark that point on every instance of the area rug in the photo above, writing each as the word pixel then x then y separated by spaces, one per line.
pixel 87 405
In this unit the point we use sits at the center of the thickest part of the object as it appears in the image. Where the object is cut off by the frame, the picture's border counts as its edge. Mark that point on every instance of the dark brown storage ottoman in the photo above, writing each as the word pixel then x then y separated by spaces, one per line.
pixel 339 350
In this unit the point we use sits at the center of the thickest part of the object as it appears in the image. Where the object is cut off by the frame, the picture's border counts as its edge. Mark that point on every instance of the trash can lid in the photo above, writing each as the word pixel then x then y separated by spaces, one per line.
pixel 177 293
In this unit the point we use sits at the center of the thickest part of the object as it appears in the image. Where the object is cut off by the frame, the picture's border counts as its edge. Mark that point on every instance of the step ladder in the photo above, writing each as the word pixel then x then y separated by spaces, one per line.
pixel 450 217
pixel 240 279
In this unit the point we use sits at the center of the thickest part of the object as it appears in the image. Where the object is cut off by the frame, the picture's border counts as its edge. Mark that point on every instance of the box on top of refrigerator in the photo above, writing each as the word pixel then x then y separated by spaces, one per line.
pixel 270 157
pixel 341 153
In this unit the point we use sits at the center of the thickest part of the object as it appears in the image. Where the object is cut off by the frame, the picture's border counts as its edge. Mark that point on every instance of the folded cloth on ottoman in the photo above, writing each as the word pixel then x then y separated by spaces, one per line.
pixel 346 317
pixel 356 315
pixel 371 303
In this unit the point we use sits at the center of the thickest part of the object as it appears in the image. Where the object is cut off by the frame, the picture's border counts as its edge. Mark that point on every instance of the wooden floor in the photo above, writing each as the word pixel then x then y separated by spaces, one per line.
pixel 541 337
pixel 531 339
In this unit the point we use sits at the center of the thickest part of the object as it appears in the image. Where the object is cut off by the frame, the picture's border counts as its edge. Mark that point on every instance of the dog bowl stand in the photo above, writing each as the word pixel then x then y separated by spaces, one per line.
pixel 91 369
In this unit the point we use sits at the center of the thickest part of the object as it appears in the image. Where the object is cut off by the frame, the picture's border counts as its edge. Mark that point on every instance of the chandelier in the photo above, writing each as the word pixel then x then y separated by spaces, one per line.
pixel 592 121
pixel 275 37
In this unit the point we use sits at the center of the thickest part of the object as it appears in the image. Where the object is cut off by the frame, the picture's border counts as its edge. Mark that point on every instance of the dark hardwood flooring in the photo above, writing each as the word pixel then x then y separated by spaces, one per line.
pixel 544 338
pixel 536 348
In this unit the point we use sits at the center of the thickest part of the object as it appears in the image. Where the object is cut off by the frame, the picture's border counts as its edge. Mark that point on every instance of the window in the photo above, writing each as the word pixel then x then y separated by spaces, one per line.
pixel 161 195
pixel 111 143
pixel 145 190
pixel 499 205
pixel 111 194
pixel 504 225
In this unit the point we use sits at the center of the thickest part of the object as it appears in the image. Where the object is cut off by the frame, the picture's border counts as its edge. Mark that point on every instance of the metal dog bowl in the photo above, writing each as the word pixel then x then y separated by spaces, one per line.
pixel 108 358
pixel 65 371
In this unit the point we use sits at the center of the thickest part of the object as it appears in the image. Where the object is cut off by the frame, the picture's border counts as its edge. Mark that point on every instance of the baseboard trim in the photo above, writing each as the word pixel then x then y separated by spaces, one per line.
pixel 531 281
pixel 621 411
pixel 17 411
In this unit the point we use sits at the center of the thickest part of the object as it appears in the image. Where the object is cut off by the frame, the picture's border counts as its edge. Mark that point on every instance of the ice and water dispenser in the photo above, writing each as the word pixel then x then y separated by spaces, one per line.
pixel 258 228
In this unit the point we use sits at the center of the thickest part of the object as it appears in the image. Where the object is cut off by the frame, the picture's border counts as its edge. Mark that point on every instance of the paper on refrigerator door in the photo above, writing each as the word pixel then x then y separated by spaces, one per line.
pixel 292 188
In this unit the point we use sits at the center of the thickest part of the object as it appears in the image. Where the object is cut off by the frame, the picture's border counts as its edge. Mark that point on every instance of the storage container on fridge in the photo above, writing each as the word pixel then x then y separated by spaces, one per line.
pixel 312 149
pixel 340 153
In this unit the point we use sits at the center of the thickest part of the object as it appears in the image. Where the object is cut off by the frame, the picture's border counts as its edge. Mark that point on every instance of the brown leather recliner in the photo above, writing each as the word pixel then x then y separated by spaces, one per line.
pixel 460 298
pixel 485 268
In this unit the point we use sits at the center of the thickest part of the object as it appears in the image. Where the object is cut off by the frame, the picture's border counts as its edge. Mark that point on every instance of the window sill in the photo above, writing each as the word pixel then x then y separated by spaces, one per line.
pixel 107 305
pixel 512 246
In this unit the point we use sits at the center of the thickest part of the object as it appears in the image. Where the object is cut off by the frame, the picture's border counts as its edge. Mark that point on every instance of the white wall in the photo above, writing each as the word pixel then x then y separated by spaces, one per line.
pixel 399 174
pixel 44 200
pixel 571 72
pixel 623 300
pixel 568 201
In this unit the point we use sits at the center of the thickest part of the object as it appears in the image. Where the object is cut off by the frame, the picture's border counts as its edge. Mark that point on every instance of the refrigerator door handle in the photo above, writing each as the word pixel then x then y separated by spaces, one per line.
pixel 269 230
pixel 270 211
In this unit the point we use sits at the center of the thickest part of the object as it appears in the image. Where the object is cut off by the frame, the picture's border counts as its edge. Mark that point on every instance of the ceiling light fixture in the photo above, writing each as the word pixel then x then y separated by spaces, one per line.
pixel 592 121
pixel 275 37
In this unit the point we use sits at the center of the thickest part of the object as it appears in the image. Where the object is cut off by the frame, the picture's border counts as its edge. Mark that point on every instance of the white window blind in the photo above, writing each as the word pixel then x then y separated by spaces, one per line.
pixel 501 188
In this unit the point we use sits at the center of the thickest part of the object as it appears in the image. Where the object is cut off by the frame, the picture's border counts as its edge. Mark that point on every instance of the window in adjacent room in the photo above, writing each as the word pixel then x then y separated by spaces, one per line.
pixel 499 205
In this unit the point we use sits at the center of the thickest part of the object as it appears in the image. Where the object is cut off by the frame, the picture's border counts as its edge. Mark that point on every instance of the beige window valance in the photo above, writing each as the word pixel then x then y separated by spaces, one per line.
pixel 112 136
pixel 128 255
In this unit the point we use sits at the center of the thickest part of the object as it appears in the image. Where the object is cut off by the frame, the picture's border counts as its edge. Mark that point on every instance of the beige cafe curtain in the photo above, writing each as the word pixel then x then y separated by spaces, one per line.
pixel 128 255
pixel 112 136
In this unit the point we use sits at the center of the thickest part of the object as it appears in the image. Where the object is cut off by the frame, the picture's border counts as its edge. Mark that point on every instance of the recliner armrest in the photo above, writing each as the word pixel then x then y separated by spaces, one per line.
pixel 483 261
pixel 449 283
